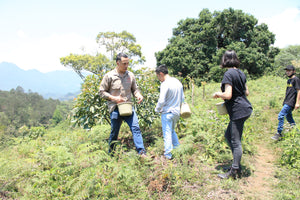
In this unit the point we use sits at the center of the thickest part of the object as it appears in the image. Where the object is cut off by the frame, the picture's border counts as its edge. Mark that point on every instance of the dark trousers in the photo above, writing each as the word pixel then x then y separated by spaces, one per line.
pixel 233 136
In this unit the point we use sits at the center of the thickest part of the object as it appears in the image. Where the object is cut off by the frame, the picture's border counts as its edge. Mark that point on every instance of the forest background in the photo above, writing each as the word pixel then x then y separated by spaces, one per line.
pixel 43 156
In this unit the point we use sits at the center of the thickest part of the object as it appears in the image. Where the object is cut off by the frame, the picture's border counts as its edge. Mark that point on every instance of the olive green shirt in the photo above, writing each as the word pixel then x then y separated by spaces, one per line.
pixel 114 84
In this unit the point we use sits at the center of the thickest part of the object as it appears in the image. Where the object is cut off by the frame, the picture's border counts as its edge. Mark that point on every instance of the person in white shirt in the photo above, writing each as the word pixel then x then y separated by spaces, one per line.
pixel 170 99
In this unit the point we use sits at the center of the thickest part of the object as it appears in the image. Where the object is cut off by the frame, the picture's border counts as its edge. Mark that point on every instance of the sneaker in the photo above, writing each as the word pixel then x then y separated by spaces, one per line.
pixel 232 173
pixel 239 170
pixel 142 153
pixel 169 158
pixel 277 136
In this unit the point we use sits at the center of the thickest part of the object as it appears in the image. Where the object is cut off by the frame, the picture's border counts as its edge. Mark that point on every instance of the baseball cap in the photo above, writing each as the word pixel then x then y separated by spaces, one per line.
pixel 290 67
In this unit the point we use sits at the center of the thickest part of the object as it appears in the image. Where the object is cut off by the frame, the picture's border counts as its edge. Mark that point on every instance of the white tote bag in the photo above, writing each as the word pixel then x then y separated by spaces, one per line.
pixel 185 110
pixel 222 110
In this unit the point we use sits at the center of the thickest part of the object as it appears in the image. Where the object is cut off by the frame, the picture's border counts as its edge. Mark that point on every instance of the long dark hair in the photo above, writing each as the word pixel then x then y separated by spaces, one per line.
pixel 230 59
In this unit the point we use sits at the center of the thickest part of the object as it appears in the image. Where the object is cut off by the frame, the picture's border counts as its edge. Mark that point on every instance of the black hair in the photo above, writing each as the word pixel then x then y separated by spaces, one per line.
pixel 230 59
pixel 162 68
pixel 120 55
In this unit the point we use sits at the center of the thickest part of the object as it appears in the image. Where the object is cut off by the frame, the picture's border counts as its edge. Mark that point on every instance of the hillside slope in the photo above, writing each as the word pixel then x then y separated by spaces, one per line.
pixel 70 163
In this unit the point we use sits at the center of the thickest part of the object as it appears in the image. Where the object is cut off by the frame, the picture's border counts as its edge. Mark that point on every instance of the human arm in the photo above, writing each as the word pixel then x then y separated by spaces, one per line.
pixel 117 99
pixel 162 99
pixel 227 94
pixel 297 100
pixel 247 91
pixel 135 90
pixel 139 97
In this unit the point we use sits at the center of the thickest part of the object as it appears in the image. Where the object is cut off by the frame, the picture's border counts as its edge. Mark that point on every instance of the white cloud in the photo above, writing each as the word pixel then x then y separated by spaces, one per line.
pixel 21 34
pixel 286 27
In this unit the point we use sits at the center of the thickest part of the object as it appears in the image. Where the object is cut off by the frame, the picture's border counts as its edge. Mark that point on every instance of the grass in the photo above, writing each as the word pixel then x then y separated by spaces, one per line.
pixel 70 163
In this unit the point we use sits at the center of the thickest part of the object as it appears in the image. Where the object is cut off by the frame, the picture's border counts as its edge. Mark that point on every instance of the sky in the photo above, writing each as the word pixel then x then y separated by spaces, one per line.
pixel 35 34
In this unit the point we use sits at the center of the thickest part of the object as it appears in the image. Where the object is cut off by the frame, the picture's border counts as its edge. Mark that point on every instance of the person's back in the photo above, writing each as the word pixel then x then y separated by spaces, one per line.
pixel 238 106
pixel 173 95
pixel 170 98
pixel 234 92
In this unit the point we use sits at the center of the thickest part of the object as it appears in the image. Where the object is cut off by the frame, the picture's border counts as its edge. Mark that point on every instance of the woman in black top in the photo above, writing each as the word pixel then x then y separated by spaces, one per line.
pixel 234 92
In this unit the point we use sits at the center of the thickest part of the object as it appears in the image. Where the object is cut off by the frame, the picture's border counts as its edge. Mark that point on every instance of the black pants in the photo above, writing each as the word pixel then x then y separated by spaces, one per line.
pixel 233 136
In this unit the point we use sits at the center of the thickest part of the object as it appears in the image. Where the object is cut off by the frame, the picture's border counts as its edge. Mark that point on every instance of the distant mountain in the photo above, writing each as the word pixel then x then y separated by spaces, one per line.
pixel 57 84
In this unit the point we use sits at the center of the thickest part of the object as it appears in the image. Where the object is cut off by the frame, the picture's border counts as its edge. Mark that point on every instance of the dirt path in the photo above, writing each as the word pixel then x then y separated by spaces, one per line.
pixel 260 184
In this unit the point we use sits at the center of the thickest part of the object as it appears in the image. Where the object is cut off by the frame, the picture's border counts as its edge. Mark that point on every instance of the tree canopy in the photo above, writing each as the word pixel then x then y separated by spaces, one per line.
pixel 113 43
pixel 89 108
pixel 18 109
pixel 287 56
pixel 198 44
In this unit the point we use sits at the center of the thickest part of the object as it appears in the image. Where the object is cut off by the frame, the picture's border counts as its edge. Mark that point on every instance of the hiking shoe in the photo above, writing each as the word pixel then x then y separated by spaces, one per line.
pixel 277 136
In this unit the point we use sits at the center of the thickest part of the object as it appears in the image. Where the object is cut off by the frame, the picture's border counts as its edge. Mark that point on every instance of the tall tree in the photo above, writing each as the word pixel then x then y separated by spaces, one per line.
pixel 89 108
pixel 197 44
pixel 120 42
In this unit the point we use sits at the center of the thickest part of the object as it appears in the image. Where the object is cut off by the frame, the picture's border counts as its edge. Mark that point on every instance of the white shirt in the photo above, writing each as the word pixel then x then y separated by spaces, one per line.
pixel 171 96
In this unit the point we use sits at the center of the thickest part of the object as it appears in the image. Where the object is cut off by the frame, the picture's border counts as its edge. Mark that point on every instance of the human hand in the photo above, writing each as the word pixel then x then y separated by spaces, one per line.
pixel 297 106
pixel 139 98
pixel 216 95
pixel 119 99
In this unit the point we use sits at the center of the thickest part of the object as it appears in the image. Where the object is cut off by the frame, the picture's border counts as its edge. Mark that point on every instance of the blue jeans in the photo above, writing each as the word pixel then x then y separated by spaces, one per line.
pixel 286 111
pixel 168 121
pixel 133 123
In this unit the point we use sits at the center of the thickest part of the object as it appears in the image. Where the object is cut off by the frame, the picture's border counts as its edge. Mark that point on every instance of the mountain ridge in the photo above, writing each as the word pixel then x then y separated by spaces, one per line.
pixel 56 84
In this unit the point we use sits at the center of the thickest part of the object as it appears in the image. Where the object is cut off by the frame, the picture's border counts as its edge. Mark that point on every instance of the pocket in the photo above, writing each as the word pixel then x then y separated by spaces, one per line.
pixel 116 84
pixel 115 87
pixel 114 114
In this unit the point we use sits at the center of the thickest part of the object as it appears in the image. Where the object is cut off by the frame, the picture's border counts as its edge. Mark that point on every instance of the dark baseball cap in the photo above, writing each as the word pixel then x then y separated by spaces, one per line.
pixel 290 67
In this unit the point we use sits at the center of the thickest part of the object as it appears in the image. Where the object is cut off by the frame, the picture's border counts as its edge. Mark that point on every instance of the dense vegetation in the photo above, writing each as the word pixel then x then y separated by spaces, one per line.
pixel 197 45
pixel 89 108
pixel 20 111
pixel 72 163
pixel 193 53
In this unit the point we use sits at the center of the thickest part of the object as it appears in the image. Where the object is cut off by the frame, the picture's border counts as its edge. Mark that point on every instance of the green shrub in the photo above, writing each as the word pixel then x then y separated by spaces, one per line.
pixel 36 132
pixel 291 150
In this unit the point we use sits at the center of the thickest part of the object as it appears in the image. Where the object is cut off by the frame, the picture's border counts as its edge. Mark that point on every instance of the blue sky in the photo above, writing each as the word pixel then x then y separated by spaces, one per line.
pixel 34 34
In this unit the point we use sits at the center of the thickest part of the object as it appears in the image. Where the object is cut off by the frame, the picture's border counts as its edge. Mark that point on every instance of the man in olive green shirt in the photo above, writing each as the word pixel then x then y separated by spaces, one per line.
pixel 117 86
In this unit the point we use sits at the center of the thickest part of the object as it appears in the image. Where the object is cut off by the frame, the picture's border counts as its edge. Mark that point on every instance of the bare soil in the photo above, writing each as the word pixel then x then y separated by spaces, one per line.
pixel 260 184
pixel 257 182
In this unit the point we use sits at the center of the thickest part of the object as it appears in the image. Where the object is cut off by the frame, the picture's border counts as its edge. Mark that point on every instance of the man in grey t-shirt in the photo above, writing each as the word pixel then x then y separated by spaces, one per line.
pixel 169 102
